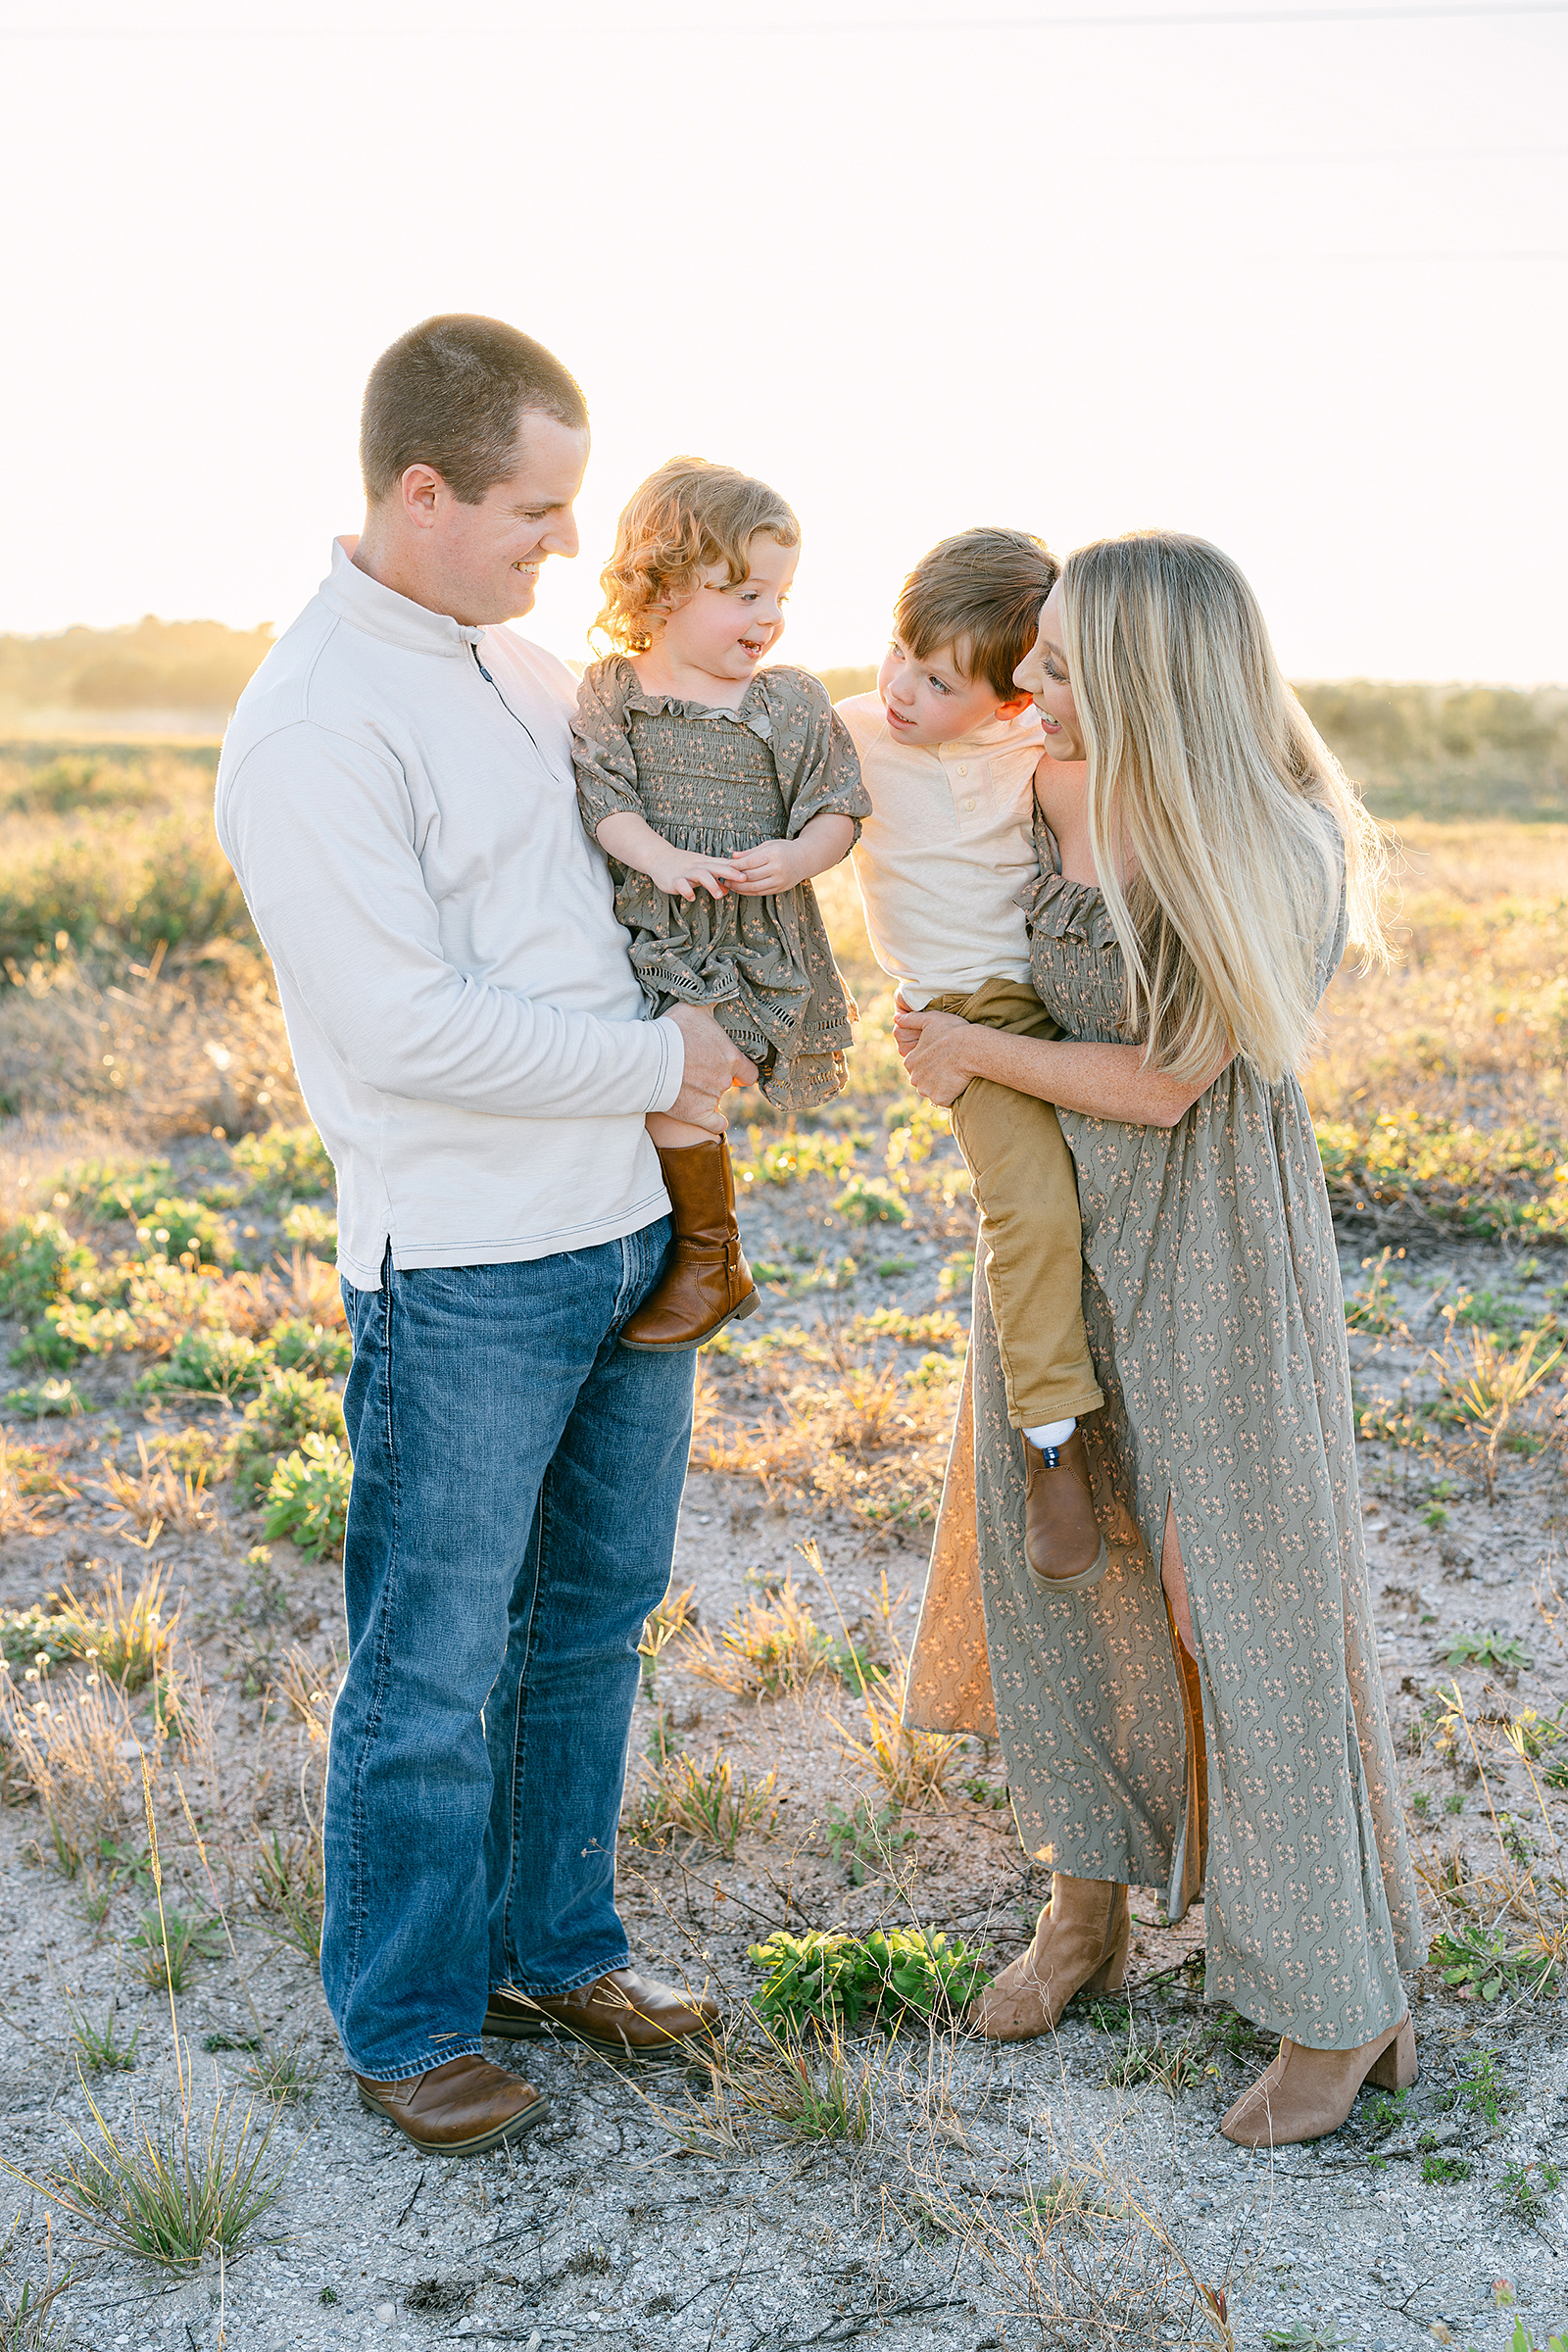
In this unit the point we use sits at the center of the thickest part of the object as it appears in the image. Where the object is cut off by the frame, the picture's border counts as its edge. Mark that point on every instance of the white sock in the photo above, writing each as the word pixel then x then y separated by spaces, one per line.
pixel 1050 1433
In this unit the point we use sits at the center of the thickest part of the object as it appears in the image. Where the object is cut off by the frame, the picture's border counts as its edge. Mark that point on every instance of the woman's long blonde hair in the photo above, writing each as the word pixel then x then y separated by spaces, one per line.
pixel 1205 783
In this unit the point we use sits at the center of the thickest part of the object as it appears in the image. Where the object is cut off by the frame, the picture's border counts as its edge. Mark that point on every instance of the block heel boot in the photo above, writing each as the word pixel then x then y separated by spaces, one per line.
pixel 1306 2094
pixel 707 1280
pixel 1080 1945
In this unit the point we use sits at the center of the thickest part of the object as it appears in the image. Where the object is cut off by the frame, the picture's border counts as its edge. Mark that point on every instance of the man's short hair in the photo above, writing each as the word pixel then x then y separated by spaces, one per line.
pixel 449 394
pixel 981 593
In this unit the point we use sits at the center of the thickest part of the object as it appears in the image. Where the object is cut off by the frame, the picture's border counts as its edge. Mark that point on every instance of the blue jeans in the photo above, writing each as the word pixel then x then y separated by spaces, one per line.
pixel 517 1481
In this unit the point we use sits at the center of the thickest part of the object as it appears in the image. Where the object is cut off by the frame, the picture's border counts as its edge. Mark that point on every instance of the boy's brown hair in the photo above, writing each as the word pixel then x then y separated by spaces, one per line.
pixel 684 518
pixel 981 593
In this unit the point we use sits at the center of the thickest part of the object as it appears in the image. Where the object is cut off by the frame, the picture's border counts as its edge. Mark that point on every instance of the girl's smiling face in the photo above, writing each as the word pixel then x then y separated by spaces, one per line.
pixel 1042 674
pixel 725 627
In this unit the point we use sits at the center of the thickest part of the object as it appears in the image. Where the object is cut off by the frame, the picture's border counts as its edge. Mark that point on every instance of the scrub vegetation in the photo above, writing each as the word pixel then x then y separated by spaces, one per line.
pixel 173 1479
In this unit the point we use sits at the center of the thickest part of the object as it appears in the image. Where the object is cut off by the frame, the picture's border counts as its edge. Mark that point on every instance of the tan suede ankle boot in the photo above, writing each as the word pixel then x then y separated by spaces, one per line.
pixel 1080 1945
pixel 1306 2094
pixel 707 1279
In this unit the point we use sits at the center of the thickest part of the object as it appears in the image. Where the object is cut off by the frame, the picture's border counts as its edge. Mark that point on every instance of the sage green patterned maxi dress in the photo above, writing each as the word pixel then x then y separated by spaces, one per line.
pixel 1213 1308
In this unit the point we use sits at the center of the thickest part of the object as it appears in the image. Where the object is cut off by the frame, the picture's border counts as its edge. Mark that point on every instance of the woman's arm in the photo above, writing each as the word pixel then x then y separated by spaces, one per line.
pixel 777 865
pixel 942 1053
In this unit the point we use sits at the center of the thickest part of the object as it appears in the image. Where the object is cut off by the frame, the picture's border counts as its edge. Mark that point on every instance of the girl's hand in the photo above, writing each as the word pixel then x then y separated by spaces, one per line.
pixel 681 873
pixel 770 869
pixel 933 1047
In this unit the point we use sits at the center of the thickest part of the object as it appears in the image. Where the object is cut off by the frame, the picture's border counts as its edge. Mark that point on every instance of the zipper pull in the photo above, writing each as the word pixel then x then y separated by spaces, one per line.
pixel 483 672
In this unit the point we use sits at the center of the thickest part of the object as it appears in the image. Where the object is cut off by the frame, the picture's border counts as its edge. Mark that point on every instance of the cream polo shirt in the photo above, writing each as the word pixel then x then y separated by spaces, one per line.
pixel 946 849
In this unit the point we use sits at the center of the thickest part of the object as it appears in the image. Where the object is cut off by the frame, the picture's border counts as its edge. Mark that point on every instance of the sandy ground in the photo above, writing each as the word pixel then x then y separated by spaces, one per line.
pixel 630 2220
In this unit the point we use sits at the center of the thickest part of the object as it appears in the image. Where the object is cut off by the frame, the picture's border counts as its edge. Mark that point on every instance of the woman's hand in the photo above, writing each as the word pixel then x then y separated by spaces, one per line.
pixel 936 1049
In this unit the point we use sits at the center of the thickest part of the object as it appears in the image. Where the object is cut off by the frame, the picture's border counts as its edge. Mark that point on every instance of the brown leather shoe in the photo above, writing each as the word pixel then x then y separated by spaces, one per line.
pixel 459 2109
pixel 1061 1538
pixel 623 2013
pixel 1080 1945
pixel 707 1280
pixel 1306 2093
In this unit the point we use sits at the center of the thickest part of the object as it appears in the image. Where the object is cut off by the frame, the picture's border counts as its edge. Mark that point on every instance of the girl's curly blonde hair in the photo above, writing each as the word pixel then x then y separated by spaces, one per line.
pixel 685 518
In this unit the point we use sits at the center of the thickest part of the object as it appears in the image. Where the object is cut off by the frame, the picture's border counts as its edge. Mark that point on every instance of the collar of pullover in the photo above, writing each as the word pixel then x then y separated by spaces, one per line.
pixel 365 603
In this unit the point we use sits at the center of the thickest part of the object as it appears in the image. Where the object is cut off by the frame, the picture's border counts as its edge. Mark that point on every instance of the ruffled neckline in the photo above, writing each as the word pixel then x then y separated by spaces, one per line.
pixel 752 710
pixel 1060 908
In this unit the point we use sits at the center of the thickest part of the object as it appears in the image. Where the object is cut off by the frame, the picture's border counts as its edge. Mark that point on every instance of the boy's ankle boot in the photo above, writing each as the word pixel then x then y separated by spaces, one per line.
pixel 1061 1538
pixel 705 1278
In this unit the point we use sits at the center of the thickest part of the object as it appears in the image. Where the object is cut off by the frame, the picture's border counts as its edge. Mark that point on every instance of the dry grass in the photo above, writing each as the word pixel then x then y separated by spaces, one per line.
pixel 30 1487
pixel 75 1748
pixel 158 1495
pixel 770 1646
pixel 711 1802
pixel 130 1642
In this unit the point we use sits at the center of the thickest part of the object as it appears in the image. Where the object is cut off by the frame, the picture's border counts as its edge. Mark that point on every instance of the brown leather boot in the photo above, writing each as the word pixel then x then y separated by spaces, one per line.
pixel 623 2013
pixel 707 1280
pixel 459 2109
pixel 1080 1945
pixel 1061 1538
pixel 1306 2093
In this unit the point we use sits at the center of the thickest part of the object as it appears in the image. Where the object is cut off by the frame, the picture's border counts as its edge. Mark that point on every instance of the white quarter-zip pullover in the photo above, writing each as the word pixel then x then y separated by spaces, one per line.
pixel 396 795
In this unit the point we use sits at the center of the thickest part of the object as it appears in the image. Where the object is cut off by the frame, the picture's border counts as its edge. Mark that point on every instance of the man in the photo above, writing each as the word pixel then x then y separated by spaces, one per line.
pixel 395 796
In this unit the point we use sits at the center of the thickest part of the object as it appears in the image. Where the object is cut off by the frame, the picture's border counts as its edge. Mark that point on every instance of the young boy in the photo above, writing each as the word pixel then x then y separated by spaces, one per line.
pixel 948 748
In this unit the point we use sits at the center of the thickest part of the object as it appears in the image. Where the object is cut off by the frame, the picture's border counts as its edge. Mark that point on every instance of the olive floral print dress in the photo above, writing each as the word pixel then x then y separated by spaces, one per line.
pixel 1263 1776
pixel 717 781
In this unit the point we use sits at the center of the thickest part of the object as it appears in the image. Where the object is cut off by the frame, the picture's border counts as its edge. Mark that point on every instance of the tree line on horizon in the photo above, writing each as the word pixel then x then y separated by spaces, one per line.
pixel 1420 750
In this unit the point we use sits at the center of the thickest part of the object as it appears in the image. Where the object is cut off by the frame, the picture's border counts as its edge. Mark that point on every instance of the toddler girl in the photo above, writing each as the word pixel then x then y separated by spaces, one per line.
pixel 716 790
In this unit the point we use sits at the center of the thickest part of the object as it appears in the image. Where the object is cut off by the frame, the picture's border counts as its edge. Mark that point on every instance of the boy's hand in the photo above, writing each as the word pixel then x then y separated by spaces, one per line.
pixel 770 869
pixel 681 873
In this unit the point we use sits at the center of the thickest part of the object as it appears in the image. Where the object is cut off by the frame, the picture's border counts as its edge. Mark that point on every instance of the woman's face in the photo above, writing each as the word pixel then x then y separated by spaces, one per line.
pixel 1042 674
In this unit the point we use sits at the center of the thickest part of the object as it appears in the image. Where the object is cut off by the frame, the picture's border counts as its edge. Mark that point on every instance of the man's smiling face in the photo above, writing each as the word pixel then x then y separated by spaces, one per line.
pixel 488 556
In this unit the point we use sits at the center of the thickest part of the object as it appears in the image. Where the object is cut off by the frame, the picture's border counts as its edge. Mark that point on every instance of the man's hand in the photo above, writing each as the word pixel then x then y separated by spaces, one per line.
pixel 713 1067
pixel 770 869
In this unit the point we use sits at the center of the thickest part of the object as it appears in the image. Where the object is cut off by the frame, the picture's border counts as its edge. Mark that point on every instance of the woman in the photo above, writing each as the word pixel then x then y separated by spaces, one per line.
pixel 1199 875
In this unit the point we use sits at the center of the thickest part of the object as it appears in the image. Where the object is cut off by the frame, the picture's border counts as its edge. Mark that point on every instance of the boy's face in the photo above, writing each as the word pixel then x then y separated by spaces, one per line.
pixel 934 701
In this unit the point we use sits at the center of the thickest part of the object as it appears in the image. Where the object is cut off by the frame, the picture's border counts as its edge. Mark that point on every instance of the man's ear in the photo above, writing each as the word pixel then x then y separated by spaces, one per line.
pixel 1014 705
pixel 422 490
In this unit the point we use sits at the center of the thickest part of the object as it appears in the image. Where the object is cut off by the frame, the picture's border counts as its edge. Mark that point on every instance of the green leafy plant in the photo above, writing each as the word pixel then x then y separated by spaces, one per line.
pixel 308 1499
pixel 1488 1963
pixel 1440 2171
pixel 28 1637
pixel 868 1201
pixel 864 1836
pixel 40 1399
pixel 837 1980
pixel 286 1163
pixel 177 1228
pixel 288 1407
pixel 39 1263
pixel 1502 1651
pixel 311 1348
pixel 208 1363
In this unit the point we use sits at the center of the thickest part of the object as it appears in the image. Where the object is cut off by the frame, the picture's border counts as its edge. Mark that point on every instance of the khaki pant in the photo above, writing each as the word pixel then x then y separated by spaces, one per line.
pixel 1027 1191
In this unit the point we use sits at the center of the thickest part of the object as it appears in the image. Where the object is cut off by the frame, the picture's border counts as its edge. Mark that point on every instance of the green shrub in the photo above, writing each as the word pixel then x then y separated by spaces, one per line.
pixel 286 1163
pixel 39 1263
pixel 123 892
pixel 308 1500
pixel 290 1407
pixel 313 1227
pixel 835 1980
pixel 868 1200
pixel 208 1363
pixel 298 1346
pixel 40 1399
pixel 177 1228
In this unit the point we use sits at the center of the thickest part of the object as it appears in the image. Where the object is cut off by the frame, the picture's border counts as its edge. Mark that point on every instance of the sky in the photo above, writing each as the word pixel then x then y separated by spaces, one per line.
pixel 1292 277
